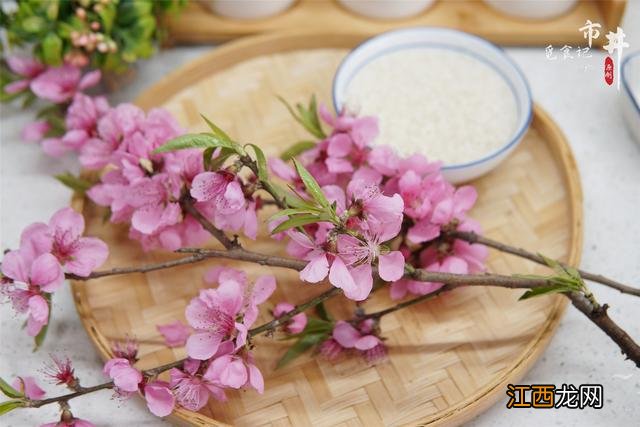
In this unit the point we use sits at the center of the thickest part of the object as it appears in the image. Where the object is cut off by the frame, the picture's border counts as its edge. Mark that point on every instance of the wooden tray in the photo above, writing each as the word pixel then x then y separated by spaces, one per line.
pixel 198 24
pixel 449 359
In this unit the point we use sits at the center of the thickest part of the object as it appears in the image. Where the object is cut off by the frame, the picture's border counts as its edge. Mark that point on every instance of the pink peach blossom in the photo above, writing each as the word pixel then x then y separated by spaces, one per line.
pixel 236 371
pixel 220 187
pixel 362 339
pixel 160 399
pixel 74 422
pixel 125 377
pixel 29 387
pixel 62 237
pixel 175 334
pixel 192 390
pixel 25 67
pixel 212 314
pixel 296 324
pixel 35 131
pixel 59 84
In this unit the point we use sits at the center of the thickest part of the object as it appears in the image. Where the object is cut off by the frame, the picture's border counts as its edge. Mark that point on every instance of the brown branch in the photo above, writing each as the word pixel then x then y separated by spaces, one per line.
pixel 599 316
pixel 187 204
pixel 619 336
pixel 67 397
pixel 627 345
pixel 472 237
pixel 141 269
pixel 150 373
pixel 264 184
pixel 378 314
pixel 272 325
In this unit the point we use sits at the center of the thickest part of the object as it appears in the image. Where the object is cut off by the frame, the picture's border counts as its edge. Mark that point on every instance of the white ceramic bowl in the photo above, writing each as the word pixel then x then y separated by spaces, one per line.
pixel 533 9
pixel 249 9
pixel 386 9
pixel 630 75
pixel 442 38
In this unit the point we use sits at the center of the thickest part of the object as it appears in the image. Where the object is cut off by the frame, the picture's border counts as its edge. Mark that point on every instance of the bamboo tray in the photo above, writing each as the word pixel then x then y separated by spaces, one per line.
pixel 198 24
pixel 450 358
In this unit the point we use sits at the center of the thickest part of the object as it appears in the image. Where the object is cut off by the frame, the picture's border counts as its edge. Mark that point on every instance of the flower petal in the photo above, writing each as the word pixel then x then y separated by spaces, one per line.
pixel 263 288
pixel 339 145
pixel 175 334
pixel 35 131
pixel 88 254
pixel 345 334
pixel 206 185
pixel 29 387
pixel 391 266
pixel 35 240
pixel 90 79
pixel 423 231
pixel 234 375
pixel 363 278
pixel 338 165
pixel 16 266
pixel 340 277
pixel 46 272
pixel 203 345
pixel 398 289
pixel 67 221
pixel 367 342
pixel 255 378
pixel 317 268
pixel 160 400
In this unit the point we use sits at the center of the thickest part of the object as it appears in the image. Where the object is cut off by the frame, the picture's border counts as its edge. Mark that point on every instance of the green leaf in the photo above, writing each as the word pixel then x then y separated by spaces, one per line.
pixel 261 162
pixel 308 118
pixel 545 290
pixel 39 339
pixel 10 405
pixel 311 185
pixel 299 347
pixel 291 199
pixel 33 24
pixel 294 211
pixel 296 149
pixel 214 163
pixel 75 183
pixel 552 263
pixel 315 326
pixel 107 15
pixel 52 9
pixel 28 100
pixel 9 391
pixel 52 49
pixel 299 221
pixel 321 309
pixel 201 140
pixel 215 129
pixel 64 29
pixel 313 115
pixel 573 273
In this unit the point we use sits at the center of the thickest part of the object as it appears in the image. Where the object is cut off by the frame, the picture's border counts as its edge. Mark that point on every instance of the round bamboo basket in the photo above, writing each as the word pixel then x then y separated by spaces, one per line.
pixel 449 358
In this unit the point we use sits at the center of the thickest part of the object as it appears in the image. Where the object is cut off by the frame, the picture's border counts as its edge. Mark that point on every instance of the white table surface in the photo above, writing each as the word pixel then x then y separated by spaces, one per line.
pixel 609 160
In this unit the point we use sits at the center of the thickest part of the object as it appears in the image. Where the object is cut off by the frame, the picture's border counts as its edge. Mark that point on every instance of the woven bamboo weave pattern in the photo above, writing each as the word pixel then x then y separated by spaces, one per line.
pixel 449 358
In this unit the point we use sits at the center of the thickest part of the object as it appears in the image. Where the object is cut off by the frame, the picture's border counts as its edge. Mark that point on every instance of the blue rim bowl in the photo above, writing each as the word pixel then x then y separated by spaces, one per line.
pixel 630 101
pixel 445 38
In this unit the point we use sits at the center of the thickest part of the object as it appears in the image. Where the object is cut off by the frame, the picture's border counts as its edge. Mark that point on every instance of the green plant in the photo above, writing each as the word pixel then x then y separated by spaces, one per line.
pixel 105 34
